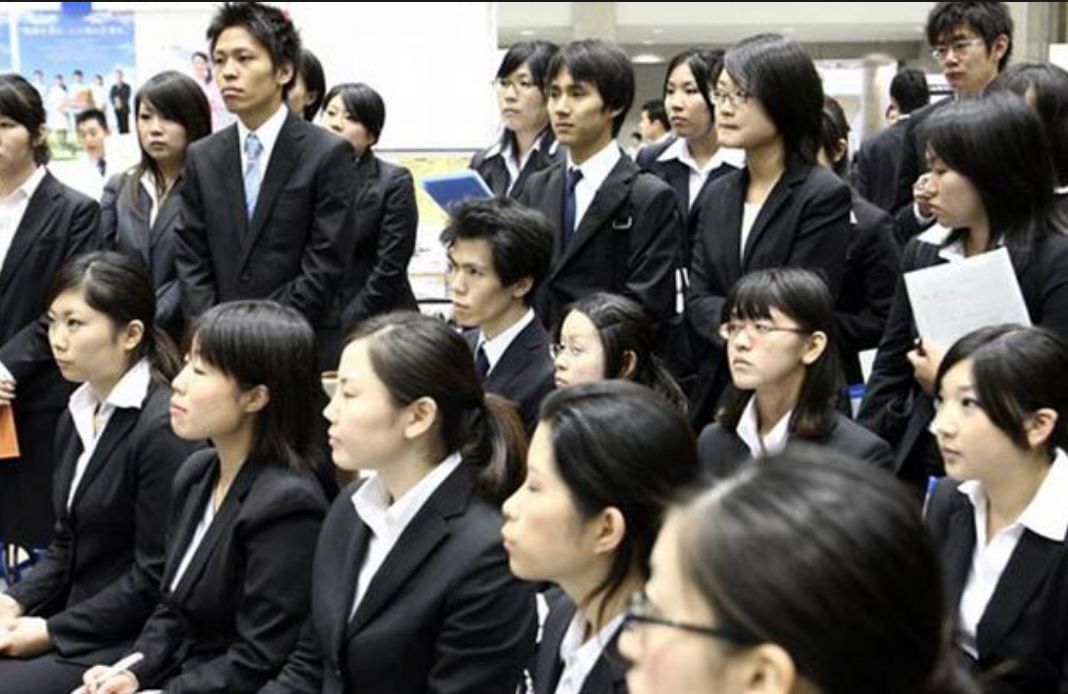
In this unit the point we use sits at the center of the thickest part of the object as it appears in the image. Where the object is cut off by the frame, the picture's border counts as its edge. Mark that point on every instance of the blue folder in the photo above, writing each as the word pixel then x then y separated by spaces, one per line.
pixel 452 188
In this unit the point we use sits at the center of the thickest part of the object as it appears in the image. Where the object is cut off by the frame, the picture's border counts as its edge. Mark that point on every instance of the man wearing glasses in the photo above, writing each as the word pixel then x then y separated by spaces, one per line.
pixel 972 41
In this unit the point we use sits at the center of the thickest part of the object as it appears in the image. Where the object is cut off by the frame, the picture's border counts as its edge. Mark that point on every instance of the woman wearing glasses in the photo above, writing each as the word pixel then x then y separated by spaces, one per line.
pixel 605 461
pixel 527 143
pixel 991 187
pixel 607 336
pixel 779 327
pixel 782 209
pixel 806 574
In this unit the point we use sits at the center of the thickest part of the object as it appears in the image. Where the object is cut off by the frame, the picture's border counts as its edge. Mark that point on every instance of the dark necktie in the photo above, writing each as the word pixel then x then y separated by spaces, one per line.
pixel 482 366
pixel 568 228
pixel 102 165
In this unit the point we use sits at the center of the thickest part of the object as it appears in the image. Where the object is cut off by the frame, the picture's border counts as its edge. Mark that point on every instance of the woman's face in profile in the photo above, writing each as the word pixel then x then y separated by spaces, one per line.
pixel 953 199
pixel 521 101
pixel 580 355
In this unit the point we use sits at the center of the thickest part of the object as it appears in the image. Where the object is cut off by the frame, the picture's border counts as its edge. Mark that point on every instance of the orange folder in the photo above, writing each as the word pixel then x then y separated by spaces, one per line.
pixel 9 440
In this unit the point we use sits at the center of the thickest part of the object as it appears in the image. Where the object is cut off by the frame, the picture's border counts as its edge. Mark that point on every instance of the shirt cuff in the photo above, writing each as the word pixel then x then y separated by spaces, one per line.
pixel 920 217
pixel 5 375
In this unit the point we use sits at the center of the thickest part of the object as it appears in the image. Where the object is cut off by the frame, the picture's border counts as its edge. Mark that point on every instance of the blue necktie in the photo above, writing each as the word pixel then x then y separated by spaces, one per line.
pixel 482 366
pixel 568 228
pixel 253 172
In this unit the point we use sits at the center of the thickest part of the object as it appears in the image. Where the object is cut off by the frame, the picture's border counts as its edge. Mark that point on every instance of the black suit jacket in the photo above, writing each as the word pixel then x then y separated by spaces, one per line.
pixel 1022 637
pixel 721 451
pixel 237 611
pixel 626 243
pixel 804 222
pixel 59 225
pixel 442 614
pixel 609 674
pixel 524 373
pixel 489 163
pixel 894 406
pixel 376 280
pixel 99 579
pixel 872 266
pixel 877 166
pixel 124 227
pixel 300 238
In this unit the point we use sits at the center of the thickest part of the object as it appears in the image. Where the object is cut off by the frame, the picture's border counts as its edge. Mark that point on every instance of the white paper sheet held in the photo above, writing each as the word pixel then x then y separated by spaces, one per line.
pixel 949 301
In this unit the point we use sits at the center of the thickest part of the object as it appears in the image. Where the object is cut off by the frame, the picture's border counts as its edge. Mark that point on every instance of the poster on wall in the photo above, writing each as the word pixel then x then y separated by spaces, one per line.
pixel 79 55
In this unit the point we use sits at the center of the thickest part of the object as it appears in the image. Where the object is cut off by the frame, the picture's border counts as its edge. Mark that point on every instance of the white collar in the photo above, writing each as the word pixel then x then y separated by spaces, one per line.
pixel 29 186
pixel 129 392
pixel 596 168
pixel 1060 190
pixel 937 235
pixel 1047 514
pixel 496 347
pixel 748 430
pixel 580 657
pixel 373 503
pixel 680 150
pixel 267 133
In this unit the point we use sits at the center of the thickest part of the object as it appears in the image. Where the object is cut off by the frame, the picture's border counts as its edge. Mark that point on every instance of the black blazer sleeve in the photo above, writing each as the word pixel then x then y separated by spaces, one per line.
pixel 707 292
pixel 193 257
pixel 108 228
pixel 654 246
pixel 394 246
pixel 873 264
pixel 303 671
pixel 118 610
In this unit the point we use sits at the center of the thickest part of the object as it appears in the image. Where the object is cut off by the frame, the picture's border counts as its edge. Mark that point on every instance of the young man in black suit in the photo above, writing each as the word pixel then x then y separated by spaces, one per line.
pixel 499 252
pixel 618 229
pixel 879 157
pixel 267 201
pixel 973 43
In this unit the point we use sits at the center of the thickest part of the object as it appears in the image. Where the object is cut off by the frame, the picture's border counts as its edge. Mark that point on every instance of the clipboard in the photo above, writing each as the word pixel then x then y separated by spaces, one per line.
pixel 450 189
pixel 9 440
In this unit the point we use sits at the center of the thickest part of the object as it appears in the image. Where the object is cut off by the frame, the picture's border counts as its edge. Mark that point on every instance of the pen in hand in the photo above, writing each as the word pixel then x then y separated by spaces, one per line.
pixel 123 664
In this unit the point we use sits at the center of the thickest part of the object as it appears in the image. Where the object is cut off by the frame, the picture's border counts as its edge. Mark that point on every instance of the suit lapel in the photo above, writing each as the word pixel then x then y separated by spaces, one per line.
pixel 723 228
pixel 609 673
pixel 782 193
pixel 279 167
pixel 517 356
pixel 958 553
pixel 119 426
pixel 553 206
pixel 425 532
pixel 192 511
pixel 342 592
pixel 550 667
pixel 38 216
pixel 678 177
pixel 166 215
pixel 65 475
pixel 612 193
pixel 1027 569
pixel 226 158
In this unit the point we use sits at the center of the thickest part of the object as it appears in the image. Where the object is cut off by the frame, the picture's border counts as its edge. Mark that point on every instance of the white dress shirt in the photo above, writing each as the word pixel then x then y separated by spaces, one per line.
pixel 1046 515
pixel 387 519
pixel 748 430
pixel 12 209
pixel 496 347
pixel 750 212
pixel 267 134
pixel 198 536
pixel 129 393
pixel 580 658
pixel 680 150
pixel 594 171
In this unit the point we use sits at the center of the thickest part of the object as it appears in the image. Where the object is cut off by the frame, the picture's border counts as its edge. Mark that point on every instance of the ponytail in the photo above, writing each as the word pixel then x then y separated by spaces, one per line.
pixel 162 353
pixel 496 444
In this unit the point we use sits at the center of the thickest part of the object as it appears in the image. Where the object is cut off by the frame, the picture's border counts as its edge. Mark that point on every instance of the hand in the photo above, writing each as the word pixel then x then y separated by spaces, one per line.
pixel 10 610
pixel 27 637
pixel 123 683
pixel 925 360
pixel 922 194
pixel 7 392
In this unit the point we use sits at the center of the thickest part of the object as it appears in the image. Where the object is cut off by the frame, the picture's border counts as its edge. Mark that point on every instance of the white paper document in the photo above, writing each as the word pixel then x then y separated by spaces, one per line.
pixel 949 301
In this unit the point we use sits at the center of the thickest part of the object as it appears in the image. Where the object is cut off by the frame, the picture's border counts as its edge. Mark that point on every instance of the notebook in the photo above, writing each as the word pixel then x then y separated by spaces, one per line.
pixel 452 188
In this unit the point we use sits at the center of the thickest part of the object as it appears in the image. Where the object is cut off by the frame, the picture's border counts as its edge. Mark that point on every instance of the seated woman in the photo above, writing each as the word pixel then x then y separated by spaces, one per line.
pixel 1000 514
pixel 804 575
pixel 779 326
pixel 605 461
pixel 376 280
pixel 991 186
pixel 246 513
pixel 140 208
pixel 411 591
pixel 609 336
pixel 116 461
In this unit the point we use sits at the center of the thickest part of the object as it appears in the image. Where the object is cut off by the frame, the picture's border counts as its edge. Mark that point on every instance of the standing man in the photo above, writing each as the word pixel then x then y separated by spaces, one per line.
pixel 120 103
pixel 267 200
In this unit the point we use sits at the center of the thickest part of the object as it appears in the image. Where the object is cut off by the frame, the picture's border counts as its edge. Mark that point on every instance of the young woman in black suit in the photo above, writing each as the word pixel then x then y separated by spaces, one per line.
pixel 991 186
pixel 803 575
pixel 782 209
pixel 386 217
pixel 1000 514
pixel 605 461
pixel 140 207
pixel 779 327
pixel 527 143
pixel 246 513
pixel 411 590
pixel 45 226
pixel 607 336
pixel 117 459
